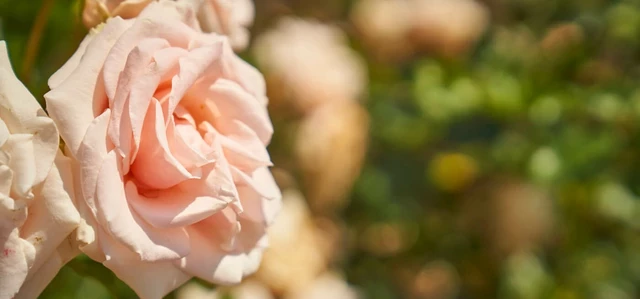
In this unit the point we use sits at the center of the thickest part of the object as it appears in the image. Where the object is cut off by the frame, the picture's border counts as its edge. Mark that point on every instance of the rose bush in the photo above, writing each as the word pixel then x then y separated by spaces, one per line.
pixel 37 216
pixel 167 128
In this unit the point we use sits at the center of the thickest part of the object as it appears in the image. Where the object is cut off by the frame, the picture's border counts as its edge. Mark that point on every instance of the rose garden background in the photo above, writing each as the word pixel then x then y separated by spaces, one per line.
pixel 425 148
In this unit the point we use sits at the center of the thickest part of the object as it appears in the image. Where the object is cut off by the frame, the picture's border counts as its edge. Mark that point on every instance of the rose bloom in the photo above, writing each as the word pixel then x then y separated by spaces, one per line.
pixel 384 26
pixel 167 128
pixel 336 127
pixel 299 250
pixel 311 62
pixel 448 27
pixel 97 11
pixel 328 285
pixel 249 289
pixel 227 17
pixel 37 216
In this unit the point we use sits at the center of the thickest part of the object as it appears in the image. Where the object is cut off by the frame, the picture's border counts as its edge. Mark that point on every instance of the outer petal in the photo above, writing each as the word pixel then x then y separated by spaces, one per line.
pixel 21 150
pixel 70 104
pixel 210 262
pixel 92 151
pixel 117 217
pixel 72 64
pixel 21 113
pixel 38 281
pixel 51 219
pixel 13 261
pixel 236 103
pixel 260 197
pixel 150 280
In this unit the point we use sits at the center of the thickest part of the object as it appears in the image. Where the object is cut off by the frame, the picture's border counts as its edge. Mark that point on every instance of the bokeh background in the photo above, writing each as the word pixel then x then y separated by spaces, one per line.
pixel 425 148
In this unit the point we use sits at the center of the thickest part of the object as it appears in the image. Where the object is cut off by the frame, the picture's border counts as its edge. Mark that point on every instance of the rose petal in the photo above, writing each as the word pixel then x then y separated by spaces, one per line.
pixel 234 103
pixel 14 258
pixel 22 114
pixel 260 196
pixel 176 207
pixel 242 146
pixel 91 152
pixel 213 264
pixel 52 217
pixel 70 103
pixel 168 171
pixel 150 279
pixel 117 217
pixel 20 149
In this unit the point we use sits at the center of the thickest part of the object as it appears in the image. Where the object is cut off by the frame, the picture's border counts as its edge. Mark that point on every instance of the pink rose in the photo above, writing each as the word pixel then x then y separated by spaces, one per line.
pixel 311 62
pixel 36 213
pixel 227 17
pixel 168 129
pixel 97 11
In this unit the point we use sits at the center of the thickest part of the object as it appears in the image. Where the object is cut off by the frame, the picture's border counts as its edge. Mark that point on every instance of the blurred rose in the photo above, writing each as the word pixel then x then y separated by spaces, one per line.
pixel 388 239
pixel 168 129
pixel 97 11
pixel 297 252
pixel 311 62
pixel 194 290
pixel 227 17
pixel 384 25
pixel 330 148
pixel 437 280
pixel 250 289
pixel 328 285
pixel 448 27
pixel 521 217
pixel 37 214
pixel 562 39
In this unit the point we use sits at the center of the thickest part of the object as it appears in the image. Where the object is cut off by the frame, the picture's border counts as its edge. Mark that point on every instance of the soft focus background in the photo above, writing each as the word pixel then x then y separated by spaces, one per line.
pixel 425 148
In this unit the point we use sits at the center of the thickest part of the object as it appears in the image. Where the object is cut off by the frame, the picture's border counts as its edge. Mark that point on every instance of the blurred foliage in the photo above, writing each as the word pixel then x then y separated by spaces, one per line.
pixel 534 103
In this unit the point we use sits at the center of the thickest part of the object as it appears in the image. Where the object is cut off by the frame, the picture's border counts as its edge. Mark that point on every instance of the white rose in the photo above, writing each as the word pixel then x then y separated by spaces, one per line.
pixel 37 214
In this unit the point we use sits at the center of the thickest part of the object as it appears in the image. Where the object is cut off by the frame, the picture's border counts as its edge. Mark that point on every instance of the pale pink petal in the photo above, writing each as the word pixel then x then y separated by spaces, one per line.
pixel 188 146
pixel 250 78
pixel 13 259
pixel 209 262
pixel 4 133
pixel 22 114
pixel 259 196
pixel 71 65
pixel 168 171
pixel 177 34
pixel 175 207
pixel 117 217
pixel 51 218
pixel 192 68
pixel 212 263
pixel 6 176
pixel 21 150
pixel 234 103
pixel 130 8
pixel 242 146
pixel 91 152
pixel 150 280
pixel 164 64
pixel 137 63
pixel 40 279
pixel 70 103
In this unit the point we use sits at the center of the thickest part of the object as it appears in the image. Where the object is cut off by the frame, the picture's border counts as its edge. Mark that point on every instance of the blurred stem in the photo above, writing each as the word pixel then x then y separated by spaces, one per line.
pixel 33 44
